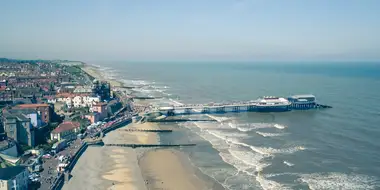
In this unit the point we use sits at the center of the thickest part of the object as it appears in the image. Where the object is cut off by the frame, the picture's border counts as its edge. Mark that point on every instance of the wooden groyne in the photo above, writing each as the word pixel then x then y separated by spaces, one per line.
pixel 150 145
pixel 149 130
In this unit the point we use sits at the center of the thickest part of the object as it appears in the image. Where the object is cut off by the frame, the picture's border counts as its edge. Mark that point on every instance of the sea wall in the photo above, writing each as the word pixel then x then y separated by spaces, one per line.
pixel 58 183
pixel 116 126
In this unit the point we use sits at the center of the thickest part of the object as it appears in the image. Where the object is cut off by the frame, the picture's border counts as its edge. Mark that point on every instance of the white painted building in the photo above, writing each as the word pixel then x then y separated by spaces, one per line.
pixel 77 101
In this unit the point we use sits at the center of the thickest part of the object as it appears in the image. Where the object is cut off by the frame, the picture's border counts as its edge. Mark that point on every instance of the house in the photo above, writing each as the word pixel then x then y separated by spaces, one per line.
pixel 101 108
pixel 3 83
pixel 66 130
pixel 91 100
pixel 93 117
pixel 7 94
pixel 45 110
pixel 83 89
pixel 19 127
pixel 76 100
pixel 15 177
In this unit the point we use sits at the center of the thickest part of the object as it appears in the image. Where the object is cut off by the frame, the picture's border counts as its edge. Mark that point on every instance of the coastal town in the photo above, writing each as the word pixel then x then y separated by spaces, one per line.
pixel 50 110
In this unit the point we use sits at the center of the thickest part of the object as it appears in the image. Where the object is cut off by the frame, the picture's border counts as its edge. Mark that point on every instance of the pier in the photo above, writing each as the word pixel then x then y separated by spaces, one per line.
pixel 150 145
pixel 265 104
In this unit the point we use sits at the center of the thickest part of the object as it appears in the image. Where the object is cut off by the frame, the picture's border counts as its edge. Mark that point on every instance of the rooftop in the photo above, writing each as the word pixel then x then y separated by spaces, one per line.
pixel 13 115
pixel 20 111
pixel 32 105
pixel 65 126
pixel 10 172
pixel 303 96
pixel 100 104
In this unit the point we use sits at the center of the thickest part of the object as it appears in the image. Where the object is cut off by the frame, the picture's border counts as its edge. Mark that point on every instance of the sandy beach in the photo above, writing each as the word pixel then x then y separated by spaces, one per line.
pixel 106 168
pixel 93 71
pixel 127 168
pixel 170 169
pixel 123 168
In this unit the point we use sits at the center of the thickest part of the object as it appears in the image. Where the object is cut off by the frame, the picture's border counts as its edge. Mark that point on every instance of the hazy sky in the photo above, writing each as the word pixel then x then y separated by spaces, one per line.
pixel 191 29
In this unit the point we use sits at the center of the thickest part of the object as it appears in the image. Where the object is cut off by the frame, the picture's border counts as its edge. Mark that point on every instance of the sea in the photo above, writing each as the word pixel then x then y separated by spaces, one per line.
pixel 335 149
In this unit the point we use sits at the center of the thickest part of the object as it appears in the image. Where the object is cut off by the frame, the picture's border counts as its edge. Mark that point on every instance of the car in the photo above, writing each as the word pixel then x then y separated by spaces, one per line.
pixel 34 175
pixel 35 179
pixel 46 156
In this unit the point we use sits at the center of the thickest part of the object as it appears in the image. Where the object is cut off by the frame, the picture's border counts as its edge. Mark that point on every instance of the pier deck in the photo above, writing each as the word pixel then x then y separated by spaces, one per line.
pixel 226 108
pixel 263 104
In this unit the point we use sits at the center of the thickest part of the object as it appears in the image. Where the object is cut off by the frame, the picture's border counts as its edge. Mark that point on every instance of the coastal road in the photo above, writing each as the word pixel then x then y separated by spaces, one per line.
pixel 50 165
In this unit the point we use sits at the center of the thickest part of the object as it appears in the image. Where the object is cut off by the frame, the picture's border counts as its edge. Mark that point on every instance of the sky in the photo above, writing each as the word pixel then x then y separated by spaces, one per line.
pixel 190 30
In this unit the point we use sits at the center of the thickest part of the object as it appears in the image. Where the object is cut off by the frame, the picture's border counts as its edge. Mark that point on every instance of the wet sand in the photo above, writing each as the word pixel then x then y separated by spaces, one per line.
pixel 170 169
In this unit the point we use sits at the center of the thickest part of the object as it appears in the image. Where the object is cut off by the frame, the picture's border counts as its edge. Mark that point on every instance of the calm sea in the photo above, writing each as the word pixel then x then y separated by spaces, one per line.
pixel 335 148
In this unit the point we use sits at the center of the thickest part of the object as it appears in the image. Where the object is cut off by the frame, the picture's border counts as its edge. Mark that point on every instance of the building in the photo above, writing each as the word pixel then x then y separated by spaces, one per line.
pixel 45 110
pixel 84 89
pixel 76 100
pixel 7 94
pixel 33 115
pixel 301 102
pixel 3 83
pixel 8 147
pixel 103 89
pixel 19 127
pixel 101 108
pixel 14 178
pixel 66 130
pixel 93 117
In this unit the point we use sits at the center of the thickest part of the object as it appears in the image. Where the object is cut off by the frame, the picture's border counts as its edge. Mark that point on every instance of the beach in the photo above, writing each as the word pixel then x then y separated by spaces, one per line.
pixel 94 72
pixel 126 168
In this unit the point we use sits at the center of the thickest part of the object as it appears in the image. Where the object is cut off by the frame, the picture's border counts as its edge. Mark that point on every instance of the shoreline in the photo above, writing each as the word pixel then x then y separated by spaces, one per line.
pixel 127 168
pixel 172 169
pixel 94 72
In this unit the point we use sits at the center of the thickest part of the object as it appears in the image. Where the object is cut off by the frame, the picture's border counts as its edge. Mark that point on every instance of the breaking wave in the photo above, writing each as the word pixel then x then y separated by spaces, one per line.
pixel 254 126
pixel 327 181
pixel 269 134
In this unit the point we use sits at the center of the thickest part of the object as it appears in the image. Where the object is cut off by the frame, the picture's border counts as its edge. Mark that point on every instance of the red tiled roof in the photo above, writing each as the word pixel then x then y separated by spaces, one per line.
pixel 32 105
pixel 65 126
pixel 65 95
pixel 100 104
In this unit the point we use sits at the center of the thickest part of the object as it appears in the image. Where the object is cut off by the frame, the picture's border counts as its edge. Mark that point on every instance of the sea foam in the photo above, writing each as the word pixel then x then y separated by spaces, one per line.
pixel 324 181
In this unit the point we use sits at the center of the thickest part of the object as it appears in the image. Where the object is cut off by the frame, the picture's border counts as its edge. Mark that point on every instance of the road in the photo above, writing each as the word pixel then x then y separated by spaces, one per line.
pixel 50 172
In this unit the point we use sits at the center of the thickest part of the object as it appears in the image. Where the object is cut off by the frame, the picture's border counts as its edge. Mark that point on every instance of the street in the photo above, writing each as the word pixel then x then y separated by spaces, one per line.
pixel 50 172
